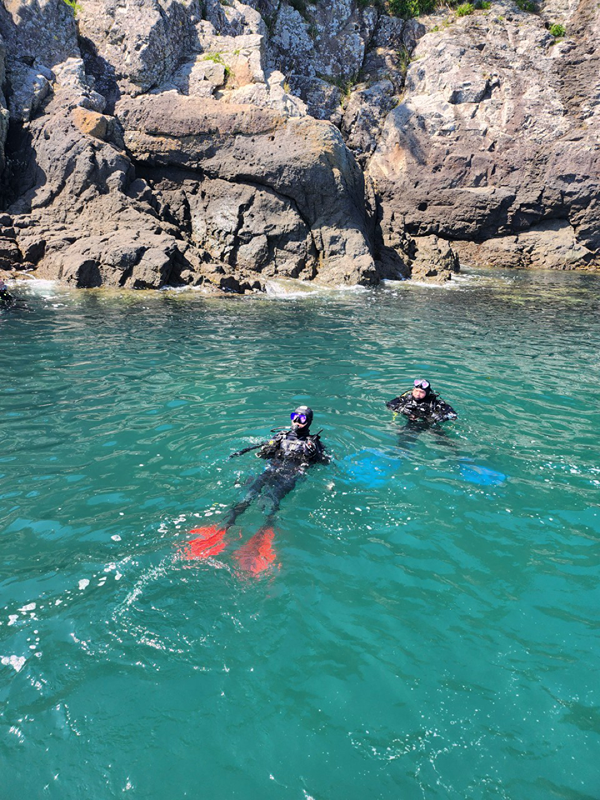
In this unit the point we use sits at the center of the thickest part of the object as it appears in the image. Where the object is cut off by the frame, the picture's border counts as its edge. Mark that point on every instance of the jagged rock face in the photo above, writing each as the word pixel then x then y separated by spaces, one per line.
pixel 169 141
pixel 38 34
pixel 41 31
pixel 267 190
pixel 140 41
pixel 498 135
pixel 327 39
pixel 322 50
pixel 251 229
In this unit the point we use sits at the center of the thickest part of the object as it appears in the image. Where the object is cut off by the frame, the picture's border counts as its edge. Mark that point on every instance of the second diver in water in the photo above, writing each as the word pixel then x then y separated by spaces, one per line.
pixel 421 404
pixel 6 299
pixel 290 453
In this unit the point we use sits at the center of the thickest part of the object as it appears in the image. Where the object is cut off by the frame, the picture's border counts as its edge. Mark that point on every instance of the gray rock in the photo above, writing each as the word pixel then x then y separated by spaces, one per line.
pixel 251 229
pixel 300 159
pixel 241 56
pixel 243 19
pixel 323 100
pixel 292 45
pixel 130 259
pixel 70 75
pixel 141 51
pixel 549 245
pixel 493 136
pixel 4 113
pixel 328 41
pixel 10 254
pixel 41 31
pixel 30 88
pixel 363 113
pixel 74 217
pixel 272 94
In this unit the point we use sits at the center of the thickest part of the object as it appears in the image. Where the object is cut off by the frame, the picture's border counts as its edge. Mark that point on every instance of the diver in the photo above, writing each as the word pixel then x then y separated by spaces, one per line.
pixel 6 299
pixel 290 453
pixel 422 405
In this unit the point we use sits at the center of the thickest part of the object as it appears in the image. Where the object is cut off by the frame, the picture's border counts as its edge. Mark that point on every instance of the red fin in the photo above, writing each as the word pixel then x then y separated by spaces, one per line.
pixel 257 555
pixel 209 542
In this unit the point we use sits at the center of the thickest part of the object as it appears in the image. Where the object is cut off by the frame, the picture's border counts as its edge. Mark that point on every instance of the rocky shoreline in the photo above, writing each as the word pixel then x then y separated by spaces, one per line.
pixel 146 143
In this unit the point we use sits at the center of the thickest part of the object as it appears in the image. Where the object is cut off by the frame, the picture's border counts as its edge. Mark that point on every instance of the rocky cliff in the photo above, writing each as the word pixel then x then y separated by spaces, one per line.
pixel 152 142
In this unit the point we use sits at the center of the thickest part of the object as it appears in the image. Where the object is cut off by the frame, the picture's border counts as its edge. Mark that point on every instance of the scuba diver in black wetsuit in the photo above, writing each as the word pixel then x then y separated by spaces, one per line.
pixel 6 299
pixel 423 408
pixel 291 453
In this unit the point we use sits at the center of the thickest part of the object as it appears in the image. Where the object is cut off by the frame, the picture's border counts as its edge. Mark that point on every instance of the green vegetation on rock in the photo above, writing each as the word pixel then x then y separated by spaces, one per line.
pixel 74 5
pixel 411 8
pixel 557 30
pixel 415 8
pixel 217 58
pixel 527 5
pixel 403 60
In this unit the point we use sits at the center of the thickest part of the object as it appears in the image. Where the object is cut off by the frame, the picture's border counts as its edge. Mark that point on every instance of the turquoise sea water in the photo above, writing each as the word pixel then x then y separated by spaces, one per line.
pixel 430 626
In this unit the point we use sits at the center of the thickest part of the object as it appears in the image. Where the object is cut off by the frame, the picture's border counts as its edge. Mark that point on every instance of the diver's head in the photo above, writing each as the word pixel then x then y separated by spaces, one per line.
pixel 421 389
pixel 301 418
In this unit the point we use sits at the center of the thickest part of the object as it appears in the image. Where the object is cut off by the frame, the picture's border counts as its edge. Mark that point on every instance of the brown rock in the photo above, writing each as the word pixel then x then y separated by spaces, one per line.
pixel 90 122
pixel 434 260
pixel 10 255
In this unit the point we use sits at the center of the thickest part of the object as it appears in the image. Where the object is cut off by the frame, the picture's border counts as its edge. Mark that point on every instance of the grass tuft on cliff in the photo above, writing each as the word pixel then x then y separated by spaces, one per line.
pixel 411 8
pixel 74 5
pixel 527 5
pixel 415 8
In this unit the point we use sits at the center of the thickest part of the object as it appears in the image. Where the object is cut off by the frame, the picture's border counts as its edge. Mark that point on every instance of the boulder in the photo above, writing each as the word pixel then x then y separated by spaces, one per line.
pixel 132 259
pixel 30 88
pixel 323 100
pixel 302 160
pixel 434 260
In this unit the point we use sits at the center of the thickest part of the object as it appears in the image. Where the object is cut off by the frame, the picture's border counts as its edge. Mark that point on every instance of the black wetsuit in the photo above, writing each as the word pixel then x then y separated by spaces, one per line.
pixel 290 453
pixel 6 299
pixel 428 410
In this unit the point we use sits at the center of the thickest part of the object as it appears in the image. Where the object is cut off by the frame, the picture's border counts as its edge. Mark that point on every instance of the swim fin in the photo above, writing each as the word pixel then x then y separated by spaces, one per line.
pixel 257 555
pixel 209 541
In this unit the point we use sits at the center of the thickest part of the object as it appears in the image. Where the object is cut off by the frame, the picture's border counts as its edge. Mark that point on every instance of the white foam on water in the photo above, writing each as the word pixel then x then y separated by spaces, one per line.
pixel 17 662
pixel 290 288
pixel 38 286
pixel 83 583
